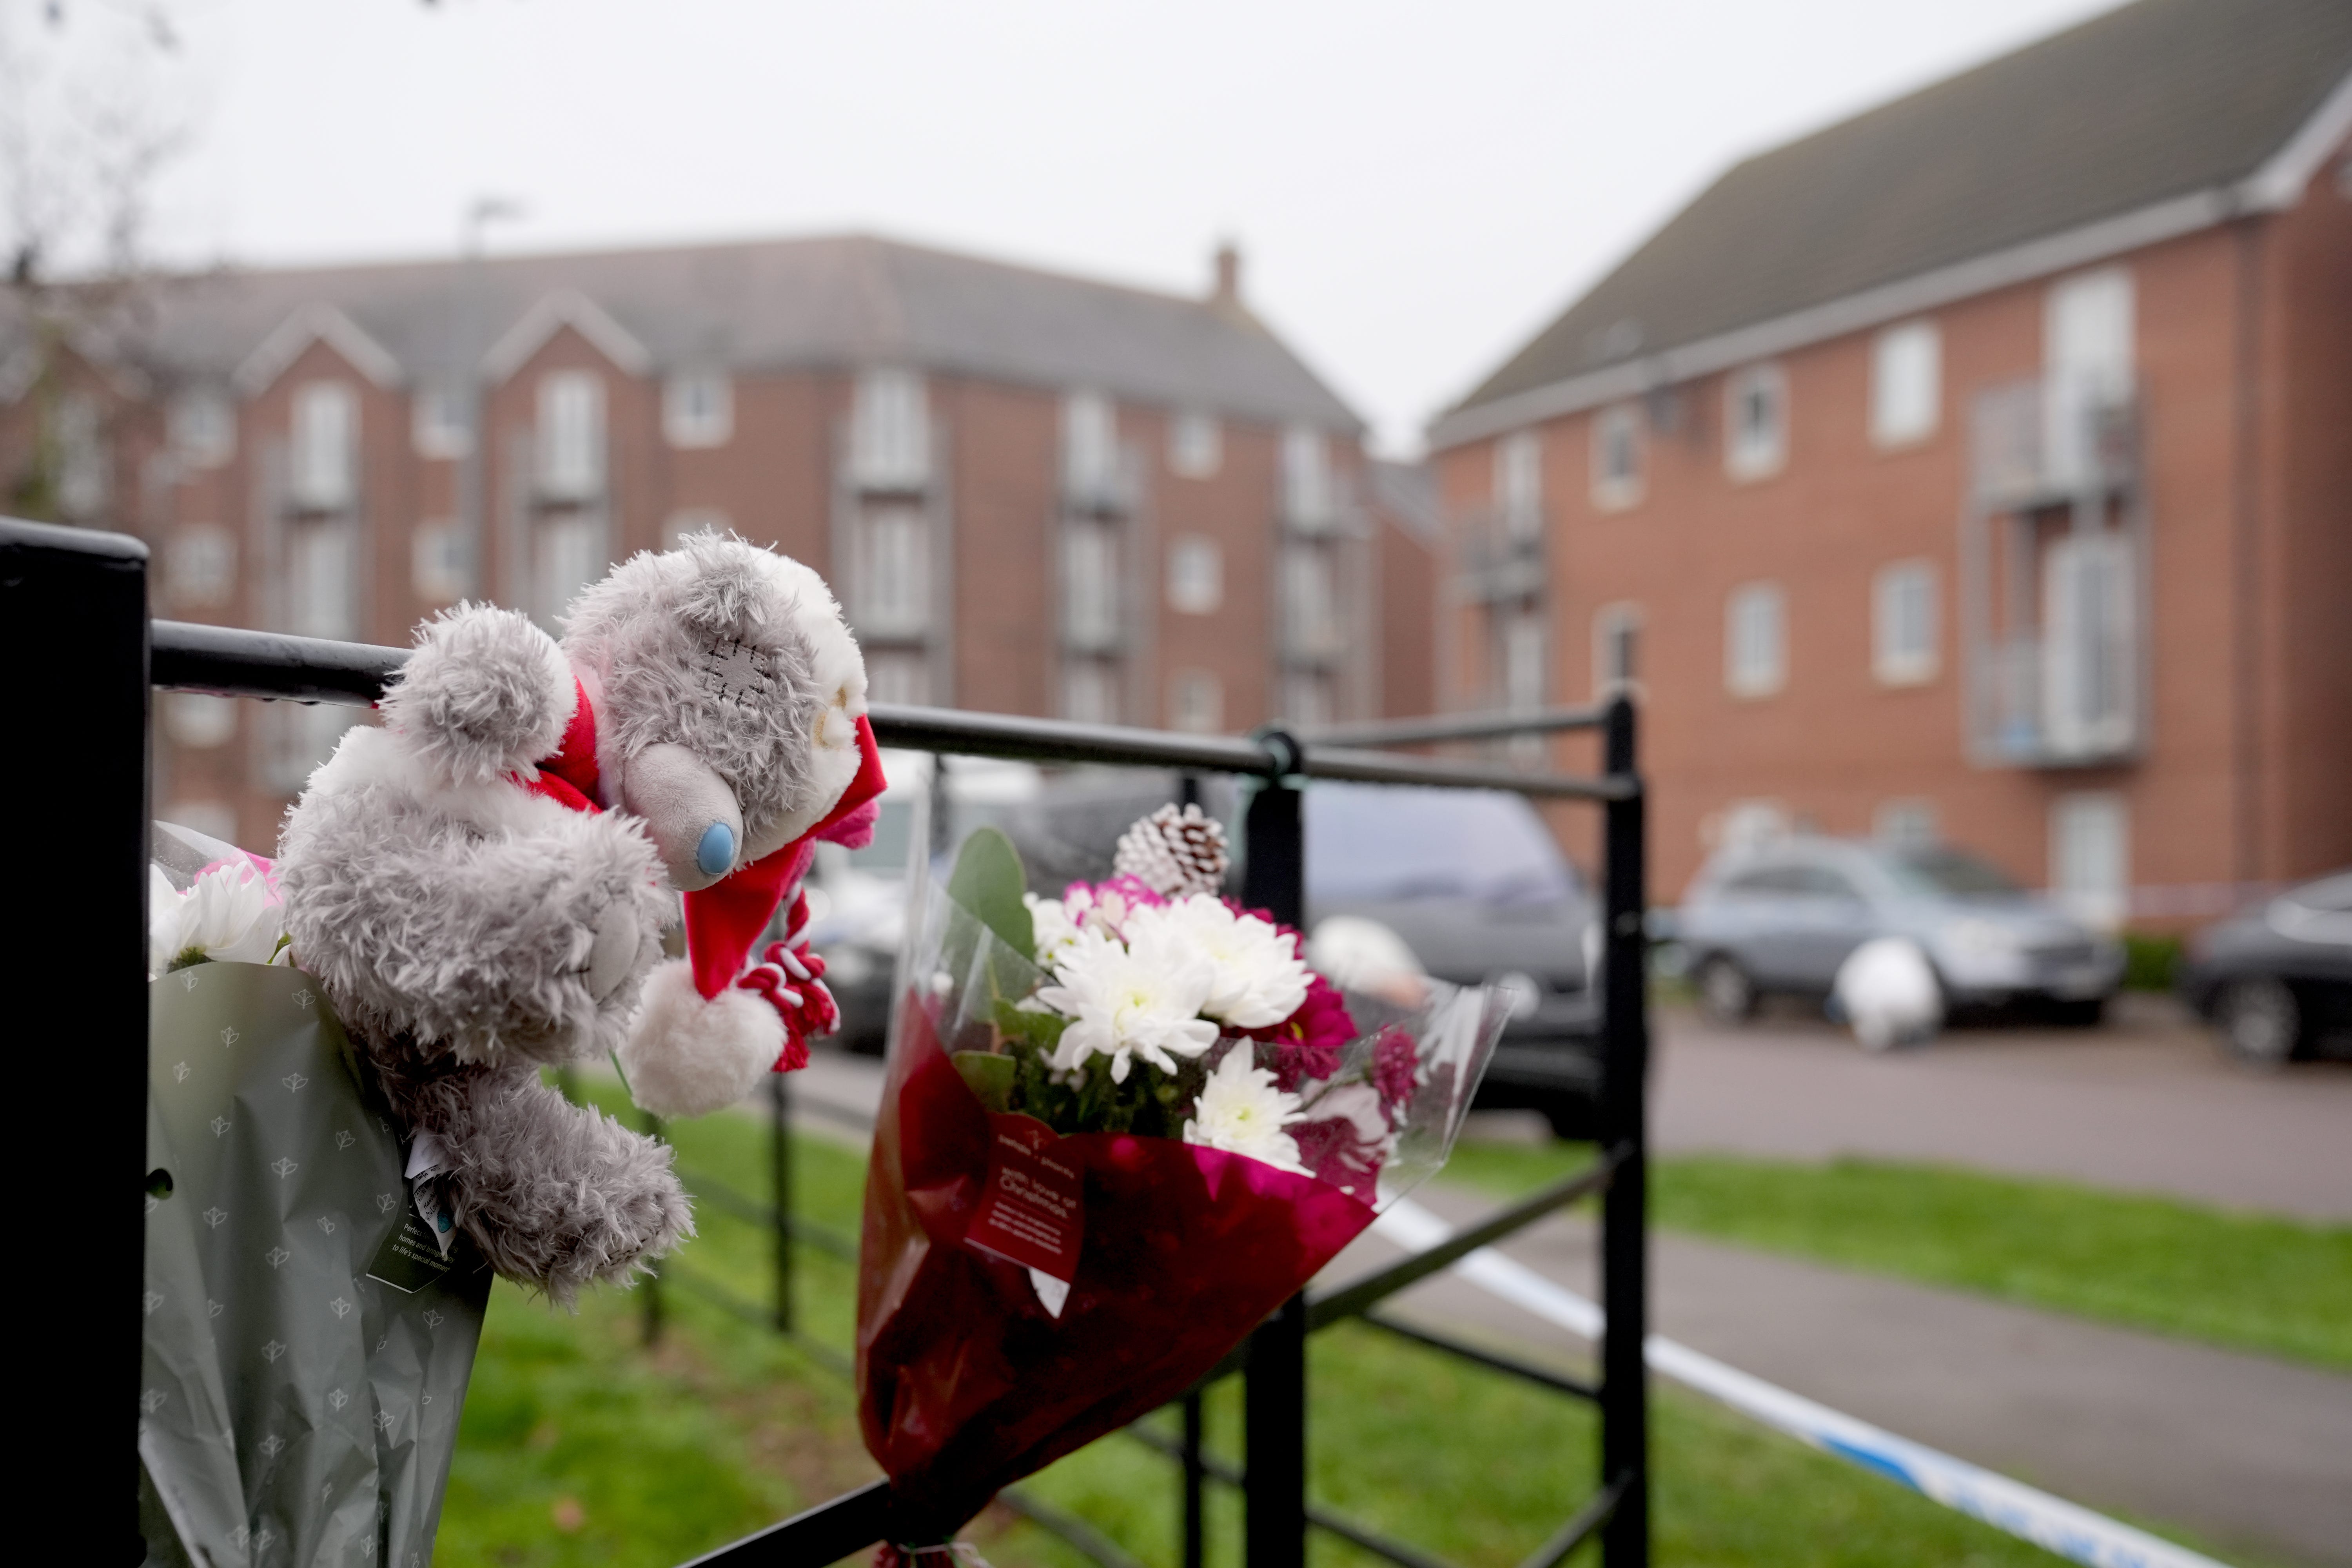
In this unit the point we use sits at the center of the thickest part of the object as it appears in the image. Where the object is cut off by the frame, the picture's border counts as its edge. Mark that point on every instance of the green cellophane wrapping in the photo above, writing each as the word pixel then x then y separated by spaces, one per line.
pixel 293 1410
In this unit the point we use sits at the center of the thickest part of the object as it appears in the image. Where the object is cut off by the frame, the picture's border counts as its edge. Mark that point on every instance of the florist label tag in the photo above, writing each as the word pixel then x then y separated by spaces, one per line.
pixel 1032 1208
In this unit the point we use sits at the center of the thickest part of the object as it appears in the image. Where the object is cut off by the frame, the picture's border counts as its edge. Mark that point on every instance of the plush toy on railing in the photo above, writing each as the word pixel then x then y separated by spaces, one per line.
pixel 479 884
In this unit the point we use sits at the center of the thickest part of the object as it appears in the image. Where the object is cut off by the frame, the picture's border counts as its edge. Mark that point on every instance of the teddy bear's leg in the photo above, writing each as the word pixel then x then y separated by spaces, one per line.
pixel 557 1194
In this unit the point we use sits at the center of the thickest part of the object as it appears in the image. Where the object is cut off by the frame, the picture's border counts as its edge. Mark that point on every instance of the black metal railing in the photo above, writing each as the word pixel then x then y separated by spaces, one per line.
pixel 77 598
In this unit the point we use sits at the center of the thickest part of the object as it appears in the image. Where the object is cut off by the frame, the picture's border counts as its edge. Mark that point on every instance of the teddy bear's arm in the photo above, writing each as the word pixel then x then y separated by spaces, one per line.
pixel 557 1194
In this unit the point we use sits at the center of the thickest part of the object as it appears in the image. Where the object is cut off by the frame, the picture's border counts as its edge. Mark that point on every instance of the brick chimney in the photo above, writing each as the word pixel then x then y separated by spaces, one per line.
pixel 1228 288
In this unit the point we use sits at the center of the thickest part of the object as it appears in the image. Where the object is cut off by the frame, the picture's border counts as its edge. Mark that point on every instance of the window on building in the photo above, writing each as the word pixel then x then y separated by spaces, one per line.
pixel 439 426
pixel 1617 457
pixel 1519 484
pixel 897 677
pixel 2089 648
pixel 698 408
pixel 440 565
pixel 1311 626
pixel 1090 585
pixel 1523 652
pixel 1745 825
pixel 1090 692
pixel 1756 421
pixel 322 600
pixel 693 520
pixel 1196 574
pixel 1906 825
pixel 85 457
pixel 1196 702
pixel 2090 856
pixel 198 721
pixel 893 573
pixel 322 461
pixel 1907 383
pixel 1196 445
pixel 1905 647
pixel 2086 349
pixel 1307 698
pixel 1309 503
pixel 1616 650
pixel 572 553
pixel 890 432
pixel 301 736
pixel 202 426
pixel 213 818
pixel 1755 653
pixel 199 566
pixel 570 435
pixel 1089 451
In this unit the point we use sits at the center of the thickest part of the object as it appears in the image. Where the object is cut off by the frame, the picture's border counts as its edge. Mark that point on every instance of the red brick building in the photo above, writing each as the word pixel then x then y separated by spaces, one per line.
pixel 1981 466
pixel 1034 493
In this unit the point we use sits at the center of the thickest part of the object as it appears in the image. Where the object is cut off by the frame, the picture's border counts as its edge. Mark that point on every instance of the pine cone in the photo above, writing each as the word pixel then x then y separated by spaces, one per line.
pixel 1174 853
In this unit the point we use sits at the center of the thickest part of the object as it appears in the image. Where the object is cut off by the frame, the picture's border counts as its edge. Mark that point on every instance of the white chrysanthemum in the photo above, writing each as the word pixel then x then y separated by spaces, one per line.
pixel 1050 926
pixel 1142 999
pixel 1242 1112
pixel 1260 978
pixel 229 915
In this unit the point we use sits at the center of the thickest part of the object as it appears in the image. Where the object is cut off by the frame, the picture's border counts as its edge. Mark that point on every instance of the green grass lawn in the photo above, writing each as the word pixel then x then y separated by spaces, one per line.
pixel 580 1446
pixel 2254 1282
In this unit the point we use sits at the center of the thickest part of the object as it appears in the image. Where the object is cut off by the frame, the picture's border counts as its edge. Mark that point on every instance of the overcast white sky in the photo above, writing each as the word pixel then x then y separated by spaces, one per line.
pixel 1415 187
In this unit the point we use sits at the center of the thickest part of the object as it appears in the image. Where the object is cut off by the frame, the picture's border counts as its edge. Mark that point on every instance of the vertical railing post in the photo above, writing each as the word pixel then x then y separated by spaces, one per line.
pixel 73 643
pixel 1625 1235
pixel 1273 1419
pixel 649 1288
pixel 1196 1477
pixel 780 1191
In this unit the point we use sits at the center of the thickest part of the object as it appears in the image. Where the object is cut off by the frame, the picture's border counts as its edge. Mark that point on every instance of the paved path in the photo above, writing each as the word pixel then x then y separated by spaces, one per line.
pixel 2146 1105
pixel 2246 1450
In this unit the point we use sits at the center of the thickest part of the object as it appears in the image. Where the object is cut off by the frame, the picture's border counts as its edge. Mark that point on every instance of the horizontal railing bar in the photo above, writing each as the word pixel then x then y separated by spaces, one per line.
pixel 1082 1537
pixel 1454 726
pixel 230 661
pixel 718 1295
pixel 823 1239
pixel 1352 1300
pixel 826 1534
pixel 1587 1520
pixel 1527 1370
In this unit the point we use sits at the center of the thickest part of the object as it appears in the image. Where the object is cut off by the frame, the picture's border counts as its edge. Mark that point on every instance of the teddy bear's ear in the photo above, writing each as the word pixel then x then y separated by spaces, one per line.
pixel 485 693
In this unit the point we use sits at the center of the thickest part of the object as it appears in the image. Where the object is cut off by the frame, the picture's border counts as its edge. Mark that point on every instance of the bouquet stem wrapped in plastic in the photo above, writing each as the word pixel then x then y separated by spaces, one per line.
pixel 1118 1131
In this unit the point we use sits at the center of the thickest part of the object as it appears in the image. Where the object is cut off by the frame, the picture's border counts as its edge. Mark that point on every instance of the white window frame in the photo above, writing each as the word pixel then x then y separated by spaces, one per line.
pixel 2090 856
pixel 440 570
pixel 1523 659
pixel 1309 500
pixel 2090 644
pixel 1090 466
pixel 321 570
pixel 894 571
pixel 1093 604
pixel 1618 428
pixel 1756 640
pixel 689 519
pixel 1904 654
pixel 571 431
pixel 203 424
pixel 1906 385
pixel 2089 324
pixel 1913 823
pixel 569 550
pixel 1196 574
pixel 1313 624
pixel 1090 691
pixel 200 566
pixel 322 449
pixel 890 431
pixel 1196 445
pixel 1196 702
pixel 1519 485
pixel 1611 625
pixel 437 426
pixel 1756 451
pixel 698 409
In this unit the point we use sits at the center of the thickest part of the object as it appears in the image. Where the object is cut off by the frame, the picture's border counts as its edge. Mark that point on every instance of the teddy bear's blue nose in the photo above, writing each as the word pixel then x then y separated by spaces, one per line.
pixel 716 850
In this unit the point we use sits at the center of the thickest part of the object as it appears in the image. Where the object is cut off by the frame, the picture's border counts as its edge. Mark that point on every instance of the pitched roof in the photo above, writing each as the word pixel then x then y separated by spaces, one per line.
pixel 2158 100
pixel 827 302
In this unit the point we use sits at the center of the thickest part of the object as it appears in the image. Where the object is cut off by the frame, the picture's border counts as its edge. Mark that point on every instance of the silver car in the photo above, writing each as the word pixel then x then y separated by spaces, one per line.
pixel 1783 918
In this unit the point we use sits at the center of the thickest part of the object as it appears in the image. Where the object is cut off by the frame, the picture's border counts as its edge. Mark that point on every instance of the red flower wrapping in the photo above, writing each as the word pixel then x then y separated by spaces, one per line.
pixel 966 1382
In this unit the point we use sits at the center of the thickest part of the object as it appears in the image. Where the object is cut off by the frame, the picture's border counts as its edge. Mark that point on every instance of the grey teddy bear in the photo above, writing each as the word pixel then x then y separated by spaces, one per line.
pixel 481 884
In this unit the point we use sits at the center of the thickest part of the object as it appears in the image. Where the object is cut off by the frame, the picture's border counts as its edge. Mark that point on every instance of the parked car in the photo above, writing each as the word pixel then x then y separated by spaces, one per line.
pixel 1782 917
pixel 2277 980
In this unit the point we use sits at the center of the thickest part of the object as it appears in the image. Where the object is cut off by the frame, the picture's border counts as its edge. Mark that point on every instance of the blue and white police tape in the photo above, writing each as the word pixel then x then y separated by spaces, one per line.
pixel 2072 1531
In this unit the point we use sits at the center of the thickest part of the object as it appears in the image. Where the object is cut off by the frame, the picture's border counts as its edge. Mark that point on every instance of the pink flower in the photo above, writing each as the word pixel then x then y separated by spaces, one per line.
pixel 1393 1064
pixel 1307 1044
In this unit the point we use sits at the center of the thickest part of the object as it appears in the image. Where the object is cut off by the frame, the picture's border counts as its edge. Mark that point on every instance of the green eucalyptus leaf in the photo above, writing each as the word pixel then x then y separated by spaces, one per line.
pixel 989 1076
pixel 988 881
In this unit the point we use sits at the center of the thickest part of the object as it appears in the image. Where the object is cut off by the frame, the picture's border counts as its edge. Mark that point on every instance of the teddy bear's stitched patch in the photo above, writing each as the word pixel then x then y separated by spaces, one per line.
pixel 735 672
